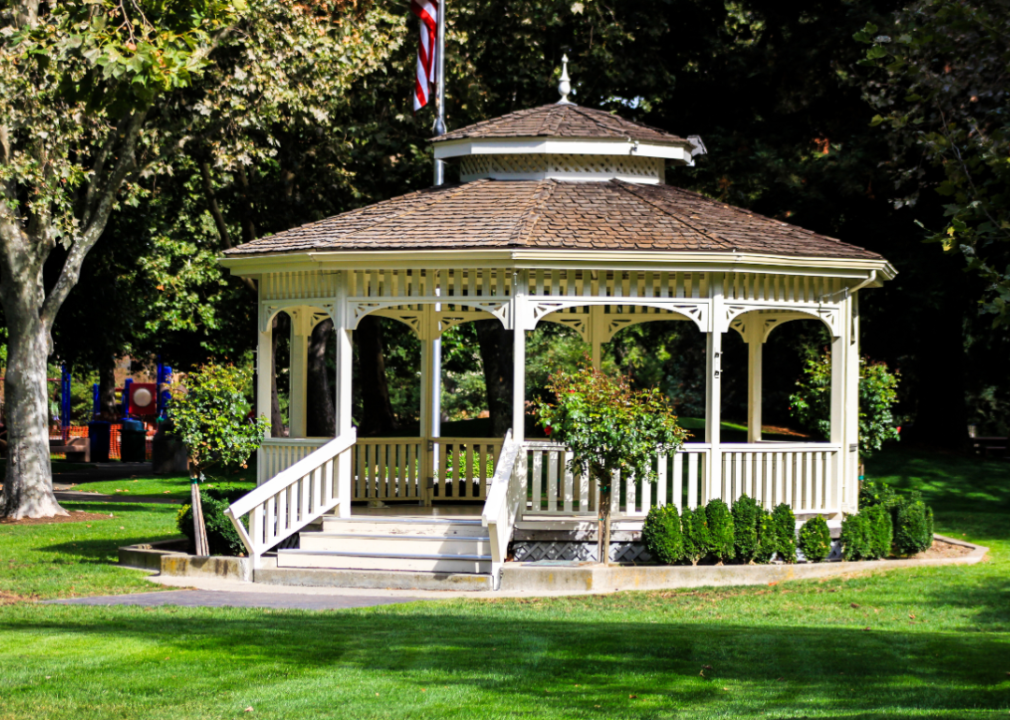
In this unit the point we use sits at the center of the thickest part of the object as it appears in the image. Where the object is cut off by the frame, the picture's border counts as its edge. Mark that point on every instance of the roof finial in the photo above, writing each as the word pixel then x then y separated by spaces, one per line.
pixel 565 86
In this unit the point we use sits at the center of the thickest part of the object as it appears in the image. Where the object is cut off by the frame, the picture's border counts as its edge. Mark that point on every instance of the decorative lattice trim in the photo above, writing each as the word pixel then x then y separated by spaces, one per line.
pixel 473 167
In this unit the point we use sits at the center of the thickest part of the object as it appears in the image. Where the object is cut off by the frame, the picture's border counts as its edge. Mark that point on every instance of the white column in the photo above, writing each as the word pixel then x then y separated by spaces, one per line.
pixel 713 391
pixel 264 367
pixel 851 447
pixel 596 320
pixel 519 358
pixel 344 399
pixel 301 321
pixel 430 365
pixel 754 335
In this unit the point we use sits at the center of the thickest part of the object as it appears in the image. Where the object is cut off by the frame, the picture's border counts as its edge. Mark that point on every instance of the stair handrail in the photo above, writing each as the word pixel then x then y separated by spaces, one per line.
pixel 506 493
pixel 275 513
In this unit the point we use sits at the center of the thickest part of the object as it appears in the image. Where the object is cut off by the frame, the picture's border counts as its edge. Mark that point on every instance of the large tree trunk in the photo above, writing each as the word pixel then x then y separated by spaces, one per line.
pixel 376 410
pixel 321 420
pixel 28 487
pixel 496 356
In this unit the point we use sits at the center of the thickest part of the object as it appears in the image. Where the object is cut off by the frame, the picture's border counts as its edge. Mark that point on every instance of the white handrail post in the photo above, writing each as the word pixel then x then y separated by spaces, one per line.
pixel 713 393
pixel 342 465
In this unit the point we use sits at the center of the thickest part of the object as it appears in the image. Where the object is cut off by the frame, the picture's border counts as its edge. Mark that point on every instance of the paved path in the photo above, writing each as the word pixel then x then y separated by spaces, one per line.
pixel 256 599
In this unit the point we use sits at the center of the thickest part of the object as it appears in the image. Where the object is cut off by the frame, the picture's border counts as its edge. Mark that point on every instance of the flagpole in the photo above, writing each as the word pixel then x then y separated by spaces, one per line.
pixel 440 89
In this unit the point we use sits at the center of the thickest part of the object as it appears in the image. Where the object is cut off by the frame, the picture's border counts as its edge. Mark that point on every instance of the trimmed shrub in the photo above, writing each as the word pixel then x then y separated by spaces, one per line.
pixel 694 525
pixel 746 513
pixel 222 538
pixel 662 534
pixel 880 529
pixel 815 539
pixel 767 539
pixel 913 525
pixel 720 530
pixel 784 525
pixel 856 543
pixel 877 492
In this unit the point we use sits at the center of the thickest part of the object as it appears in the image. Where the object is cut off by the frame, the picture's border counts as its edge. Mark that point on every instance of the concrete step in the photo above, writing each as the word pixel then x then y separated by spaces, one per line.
pixel 395 544
pixel 412 562
pixel 371 579
pixel 441 527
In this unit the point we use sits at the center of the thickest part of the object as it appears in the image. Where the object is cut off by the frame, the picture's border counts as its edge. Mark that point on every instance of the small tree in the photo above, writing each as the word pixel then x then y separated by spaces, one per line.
pixel 610 429
pixel 211 416
pixel 810 405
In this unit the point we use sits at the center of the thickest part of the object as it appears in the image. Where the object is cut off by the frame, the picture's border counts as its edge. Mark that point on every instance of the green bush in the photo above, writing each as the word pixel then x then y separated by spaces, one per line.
pixel 913 526
pixel 746 513
pixel 662 534
pixel 694 525
pixel 767 538
pixel 784 525
pixel 876 492
pixel 720 530
pixel 856 544
pixel 880 527
pixel 815 539
pixel 222 538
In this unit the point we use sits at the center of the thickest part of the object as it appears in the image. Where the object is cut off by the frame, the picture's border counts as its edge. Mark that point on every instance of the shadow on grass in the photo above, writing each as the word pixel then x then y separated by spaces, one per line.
pixel 524 660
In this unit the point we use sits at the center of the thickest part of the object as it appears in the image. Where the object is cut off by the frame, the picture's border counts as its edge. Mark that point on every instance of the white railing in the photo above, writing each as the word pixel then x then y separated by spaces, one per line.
pixel 554 489
pixel 804 476
pixel 295 497
pixel 390 469
pixel 504 502
pixel 278 454
pixel 465 467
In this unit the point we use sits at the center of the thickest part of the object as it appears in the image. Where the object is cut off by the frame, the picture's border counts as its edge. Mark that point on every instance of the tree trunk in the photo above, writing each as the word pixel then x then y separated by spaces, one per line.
pixel 28 487
pixel 321 420
pixel 107 389
pixel 376 409
pixel 496 356
pixel 603 531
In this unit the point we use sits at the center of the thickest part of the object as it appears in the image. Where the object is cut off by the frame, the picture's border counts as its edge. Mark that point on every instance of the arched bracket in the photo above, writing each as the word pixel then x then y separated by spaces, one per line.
pixel 771 318
pixel 270 309
pixel 697 311
pixel 398 310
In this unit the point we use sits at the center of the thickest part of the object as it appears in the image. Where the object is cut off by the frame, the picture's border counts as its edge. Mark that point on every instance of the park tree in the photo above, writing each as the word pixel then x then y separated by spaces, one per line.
pixel 611 430
pixel 78 84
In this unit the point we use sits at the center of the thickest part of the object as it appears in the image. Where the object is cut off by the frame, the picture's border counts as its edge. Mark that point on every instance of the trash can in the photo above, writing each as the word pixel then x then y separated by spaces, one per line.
pixel 133 441
pixel 98 440
pixel 168 453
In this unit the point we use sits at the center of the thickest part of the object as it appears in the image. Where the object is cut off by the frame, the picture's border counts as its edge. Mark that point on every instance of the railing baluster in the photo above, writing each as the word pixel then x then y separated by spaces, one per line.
pixel 537 484
pixel 569 482
pixel 552 481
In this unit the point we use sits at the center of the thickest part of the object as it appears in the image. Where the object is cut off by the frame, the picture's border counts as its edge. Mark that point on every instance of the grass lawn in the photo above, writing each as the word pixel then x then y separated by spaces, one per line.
pixel 926 643
pixel 173 487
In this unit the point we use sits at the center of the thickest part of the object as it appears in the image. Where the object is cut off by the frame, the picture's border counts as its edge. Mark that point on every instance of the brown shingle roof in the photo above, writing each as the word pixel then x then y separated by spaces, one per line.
pixel 562 121
pixel 613 215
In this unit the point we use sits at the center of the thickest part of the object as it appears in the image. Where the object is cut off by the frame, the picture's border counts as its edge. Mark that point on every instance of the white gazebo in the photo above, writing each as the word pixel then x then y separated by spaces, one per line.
pixel 563 215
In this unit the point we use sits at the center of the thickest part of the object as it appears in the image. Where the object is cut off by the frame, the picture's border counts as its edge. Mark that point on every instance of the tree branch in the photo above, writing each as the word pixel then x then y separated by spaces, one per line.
pixel 215 211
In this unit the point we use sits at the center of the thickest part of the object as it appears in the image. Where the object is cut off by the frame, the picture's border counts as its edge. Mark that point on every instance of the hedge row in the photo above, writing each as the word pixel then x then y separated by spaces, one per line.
pixel 746 534
pixel 888 524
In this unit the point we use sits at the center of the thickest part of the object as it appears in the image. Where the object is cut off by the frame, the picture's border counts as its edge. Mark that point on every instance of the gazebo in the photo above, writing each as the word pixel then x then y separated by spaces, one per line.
pixel 562 215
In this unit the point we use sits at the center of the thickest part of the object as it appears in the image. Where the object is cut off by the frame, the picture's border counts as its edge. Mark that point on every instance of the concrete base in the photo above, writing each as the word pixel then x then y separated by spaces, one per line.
pixel 167 558
pixel 373 579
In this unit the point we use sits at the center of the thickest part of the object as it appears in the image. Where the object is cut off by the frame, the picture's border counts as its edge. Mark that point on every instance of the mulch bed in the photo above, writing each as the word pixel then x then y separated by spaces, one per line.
pixel 942 549
pixel 76 516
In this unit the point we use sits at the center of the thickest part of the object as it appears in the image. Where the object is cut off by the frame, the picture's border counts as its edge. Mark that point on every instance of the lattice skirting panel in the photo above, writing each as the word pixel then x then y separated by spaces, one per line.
pixel 546 551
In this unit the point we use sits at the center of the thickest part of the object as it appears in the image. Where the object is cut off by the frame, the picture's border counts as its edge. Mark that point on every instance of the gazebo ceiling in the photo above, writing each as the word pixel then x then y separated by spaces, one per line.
pixel 603 216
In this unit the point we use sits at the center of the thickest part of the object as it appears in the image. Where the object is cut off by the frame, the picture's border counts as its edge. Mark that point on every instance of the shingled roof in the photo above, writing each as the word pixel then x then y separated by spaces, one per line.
pixel 561 121
pixel 612 215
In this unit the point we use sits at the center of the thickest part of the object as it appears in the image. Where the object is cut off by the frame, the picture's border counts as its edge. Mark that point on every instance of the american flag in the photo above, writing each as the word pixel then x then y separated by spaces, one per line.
pixel 427 13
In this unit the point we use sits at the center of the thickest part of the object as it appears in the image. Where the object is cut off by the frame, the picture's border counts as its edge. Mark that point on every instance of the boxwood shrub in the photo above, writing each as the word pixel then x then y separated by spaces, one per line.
pixel 784 524
pixel 815 539
pixel 222 538
pixel 880 527
pixel 662 534
pixel 746 513
pixel 694 525
pixel 856 543
pixel 767 538
pixel 913 526
pixel 720 529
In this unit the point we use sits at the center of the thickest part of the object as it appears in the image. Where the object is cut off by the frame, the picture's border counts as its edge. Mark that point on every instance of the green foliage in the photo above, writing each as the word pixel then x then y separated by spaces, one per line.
pixel 662 534
pixel 941 98
pixel 913 525
pixel 815 539
pixel 746 516
pixel 856 537
pixel 210 409
pixel 876 492
pixel 767 537
pixel 222 538
pixel 720 530
pixel 810 405
pixel 880 527
pixel 697 540
pixel 784 525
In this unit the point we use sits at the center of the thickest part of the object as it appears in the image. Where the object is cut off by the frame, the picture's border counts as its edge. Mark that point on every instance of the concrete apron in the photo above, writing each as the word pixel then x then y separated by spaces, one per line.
pixel 518 579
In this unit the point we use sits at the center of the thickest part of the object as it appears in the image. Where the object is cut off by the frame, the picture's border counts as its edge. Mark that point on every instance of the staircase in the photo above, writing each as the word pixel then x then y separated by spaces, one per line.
pixel 444 545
